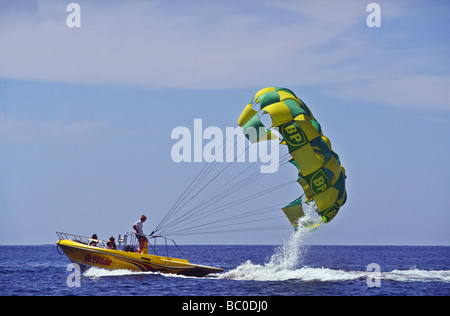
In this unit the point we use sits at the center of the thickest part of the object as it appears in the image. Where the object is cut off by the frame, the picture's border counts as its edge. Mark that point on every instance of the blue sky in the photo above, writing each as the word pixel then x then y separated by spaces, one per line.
pixel 86 113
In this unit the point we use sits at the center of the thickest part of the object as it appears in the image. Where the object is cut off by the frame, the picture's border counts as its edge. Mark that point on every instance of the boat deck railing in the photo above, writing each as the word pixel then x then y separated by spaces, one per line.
pixel 129 242
pixel 81 239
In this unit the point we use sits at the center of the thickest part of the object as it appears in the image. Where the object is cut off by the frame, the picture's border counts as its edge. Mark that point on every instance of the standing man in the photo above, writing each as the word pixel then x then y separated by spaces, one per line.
pixel 143 242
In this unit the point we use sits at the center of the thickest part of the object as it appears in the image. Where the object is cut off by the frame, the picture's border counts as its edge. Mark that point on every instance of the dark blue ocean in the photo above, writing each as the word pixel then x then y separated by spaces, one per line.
pixel 289 270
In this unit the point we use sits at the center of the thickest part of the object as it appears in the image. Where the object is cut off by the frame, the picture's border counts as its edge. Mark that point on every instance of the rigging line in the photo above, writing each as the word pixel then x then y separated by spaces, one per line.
pixel 195 182
pixel 222 196
pixel 243 182
pixel 239 201
pixel 191 215
pixel 191 188
pixel 201 225
pixel 237 186
pixel 278 227
pixel 181 197
pixel 229 149
pixel 201 211
pixel 177 205
pixel 240 215
pixel 233 216
pixel 228 139
pixel 192 197
pixel 234 178
pixel 228 219
pixel 212 199
pixel 204 172
pixel 199 191
pixel 248 213
pixel 194 229
pixel 214 164
pixel 229 190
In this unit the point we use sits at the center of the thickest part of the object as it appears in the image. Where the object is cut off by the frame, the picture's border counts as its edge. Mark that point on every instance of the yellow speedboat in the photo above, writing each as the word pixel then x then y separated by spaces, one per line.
pixel 78 250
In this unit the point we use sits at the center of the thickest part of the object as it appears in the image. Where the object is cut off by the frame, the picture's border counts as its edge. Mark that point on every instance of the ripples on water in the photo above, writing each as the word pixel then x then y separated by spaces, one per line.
pixel 291 269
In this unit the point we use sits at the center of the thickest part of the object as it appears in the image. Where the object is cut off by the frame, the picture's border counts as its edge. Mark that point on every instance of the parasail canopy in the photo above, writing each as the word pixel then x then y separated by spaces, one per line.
pixel 320 172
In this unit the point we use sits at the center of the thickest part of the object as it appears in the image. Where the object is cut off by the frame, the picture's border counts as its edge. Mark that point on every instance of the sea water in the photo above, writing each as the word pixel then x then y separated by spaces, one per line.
pixel 292 269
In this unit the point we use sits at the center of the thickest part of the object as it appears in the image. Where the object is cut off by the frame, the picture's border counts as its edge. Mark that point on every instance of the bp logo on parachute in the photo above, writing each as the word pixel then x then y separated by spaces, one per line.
pixel 331 212
pixel 294 135
pixel 319 182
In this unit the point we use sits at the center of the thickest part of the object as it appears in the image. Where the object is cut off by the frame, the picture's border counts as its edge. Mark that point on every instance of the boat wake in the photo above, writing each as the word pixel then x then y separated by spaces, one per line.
pixel 284 266
pixel 251 272
pixel 96 273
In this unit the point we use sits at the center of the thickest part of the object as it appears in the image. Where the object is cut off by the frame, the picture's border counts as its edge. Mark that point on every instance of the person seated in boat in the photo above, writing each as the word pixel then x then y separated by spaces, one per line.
pixel 111 244
pixel 94 241
pixel 138 227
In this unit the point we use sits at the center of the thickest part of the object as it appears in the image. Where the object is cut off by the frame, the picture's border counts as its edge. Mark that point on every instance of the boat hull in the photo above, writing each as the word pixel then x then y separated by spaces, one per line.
pixel 110 259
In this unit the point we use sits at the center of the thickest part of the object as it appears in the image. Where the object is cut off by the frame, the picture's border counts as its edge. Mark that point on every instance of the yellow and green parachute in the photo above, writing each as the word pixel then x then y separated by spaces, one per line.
pixel 319 169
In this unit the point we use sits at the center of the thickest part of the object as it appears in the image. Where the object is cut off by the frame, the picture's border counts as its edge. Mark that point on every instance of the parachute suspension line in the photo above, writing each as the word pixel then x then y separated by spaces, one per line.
pixel 207 212
pixel 203 207
pixel 222 192
pixel 204 172
pixel 206 169
pixel 221 226
pixel 200 206
pixel 201 175
pixel 211 167
pixel 194 183
pixel 201 212
pixel 238 230
pixel 229 219
pixel 214 195
pixel 243 215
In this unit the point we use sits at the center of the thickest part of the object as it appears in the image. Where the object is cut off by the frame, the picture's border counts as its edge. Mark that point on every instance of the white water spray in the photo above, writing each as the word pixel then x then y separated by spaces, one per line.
pixel 283 265
pixel 289 255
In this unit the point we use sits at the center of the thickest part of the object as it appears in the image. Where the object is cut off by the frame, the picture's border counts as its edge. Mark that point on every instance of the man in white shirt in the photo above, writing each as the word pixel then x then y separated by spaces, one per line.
pixel 143 242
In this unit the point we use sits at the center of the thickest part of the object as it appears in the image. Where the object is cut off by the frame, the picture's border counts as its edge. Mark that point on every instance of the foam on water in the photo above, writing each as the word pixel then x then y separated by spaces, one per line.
pixel 282 266
pixel 415 274
pixel 285 263
pixel 95 273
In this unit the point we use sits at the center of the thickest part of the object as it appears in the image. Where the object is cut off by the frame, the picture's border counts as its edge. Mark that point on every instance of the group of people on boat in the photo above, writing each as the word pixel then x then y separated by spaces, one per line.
pixel 111 244
pixel 138 227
